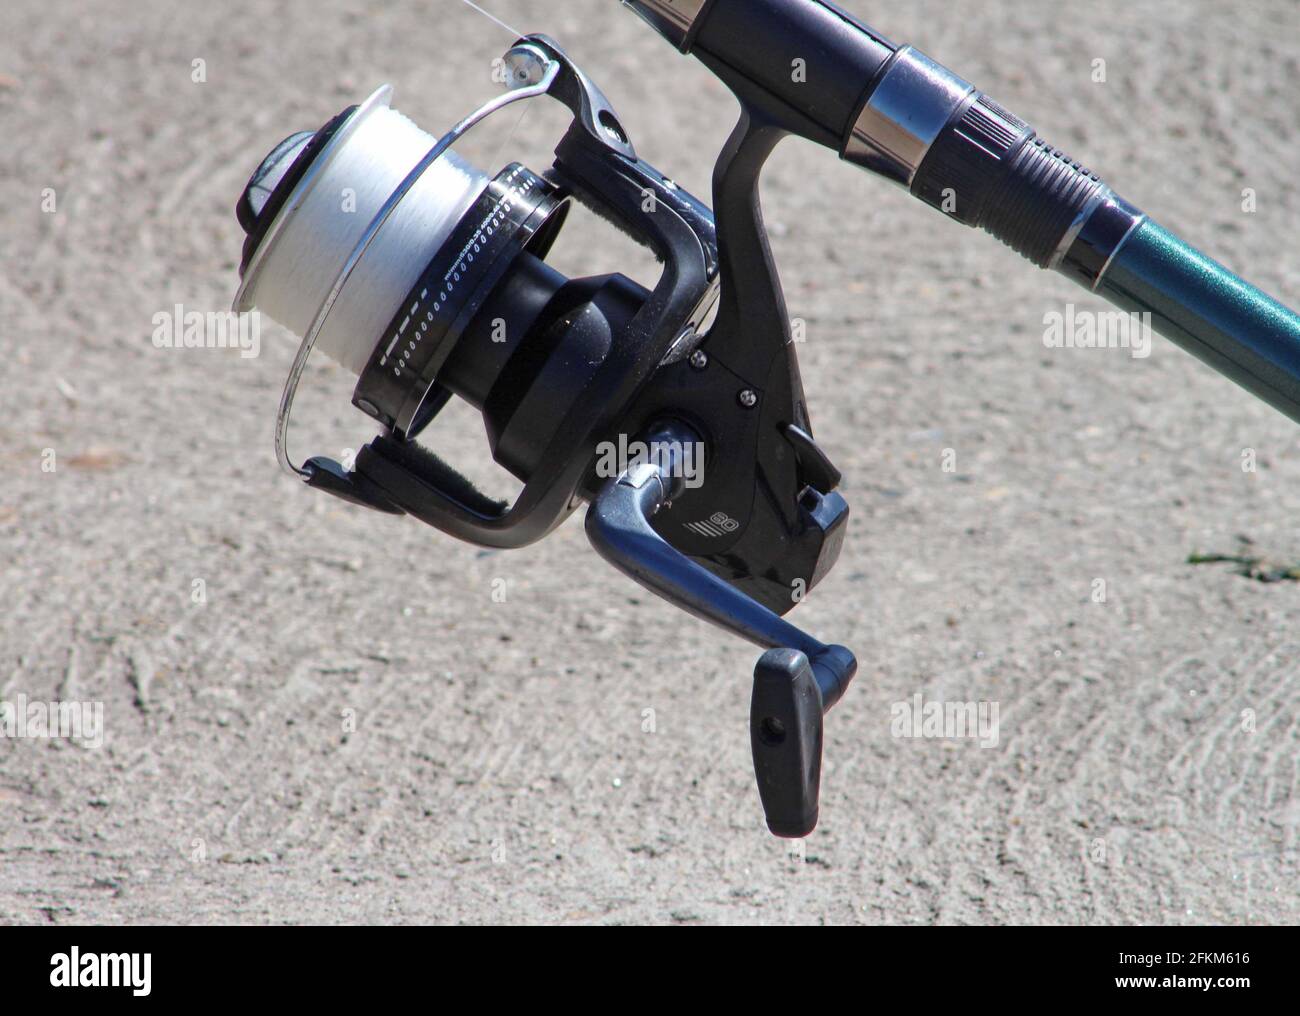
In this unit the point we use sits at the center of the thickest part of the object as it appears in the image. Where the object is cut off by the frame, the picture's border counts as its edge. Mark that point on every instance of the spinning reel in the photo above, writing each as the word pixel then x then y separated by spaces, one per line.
pixel 436 285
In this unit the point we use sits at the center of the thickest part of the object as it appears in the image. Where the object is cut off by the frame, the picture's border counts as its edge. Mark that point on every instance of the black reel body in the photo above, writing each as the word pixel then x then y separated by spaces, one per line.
pixel 565 369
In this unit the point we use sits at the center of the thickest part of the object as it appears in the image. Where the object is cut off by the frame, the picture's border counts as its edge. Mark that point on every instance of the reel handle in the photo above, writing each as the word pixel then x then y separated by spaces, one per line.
pixel 796 681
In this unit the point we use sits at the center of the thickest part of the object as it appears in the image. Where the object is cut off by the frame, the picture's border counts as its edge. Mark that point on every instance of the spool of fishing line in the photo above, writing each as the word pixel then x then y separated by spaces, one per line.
pixel 327 215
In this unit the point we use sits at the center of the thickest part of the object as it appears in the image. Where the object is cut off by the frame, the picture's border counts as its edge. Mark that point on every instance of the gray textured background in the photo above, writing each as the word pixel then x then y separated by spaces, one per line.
pixel 500 771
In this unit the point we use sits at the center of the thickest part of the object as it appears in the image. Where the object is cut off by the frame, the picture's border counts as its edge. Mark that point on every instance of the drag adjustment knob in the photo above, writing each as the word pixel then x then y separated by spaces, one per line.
pixel 262 184
pixel 274 179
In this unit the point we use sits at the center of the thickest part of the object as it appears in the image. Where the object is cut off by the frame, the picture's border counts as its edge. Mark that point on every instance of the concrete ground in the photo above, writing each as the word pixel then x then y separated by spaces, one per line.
pixel 315 714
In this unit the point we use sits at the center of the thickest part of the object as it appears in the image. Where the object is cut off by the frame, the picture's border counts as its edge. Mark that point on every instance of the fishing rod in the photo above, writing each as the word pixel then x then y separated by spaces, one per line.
pixel 675 413
pixel 893 110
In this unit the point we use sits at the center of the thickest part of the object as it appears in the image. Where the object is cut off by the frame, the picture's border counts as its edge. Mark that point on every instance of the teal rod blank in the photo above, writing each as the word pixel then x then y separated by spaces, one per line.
pixel 1194 301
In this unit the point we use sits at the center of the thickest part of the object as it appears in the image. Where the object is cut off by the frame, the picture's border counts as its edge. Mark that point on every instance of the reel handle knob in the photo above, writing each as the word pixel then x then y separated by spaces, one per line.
pixel 785 732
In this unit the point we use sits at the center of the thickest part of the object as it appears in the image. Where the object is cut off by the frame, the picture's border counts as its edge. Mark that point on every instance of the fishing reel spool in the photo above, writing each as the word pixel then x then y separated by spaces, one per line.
pixel 435 284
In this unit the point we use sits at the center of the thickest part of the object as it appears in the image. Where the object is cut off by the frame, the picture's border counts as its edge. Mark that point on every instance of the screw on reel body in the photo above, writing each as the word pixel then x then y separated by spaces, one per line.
pixel 587 363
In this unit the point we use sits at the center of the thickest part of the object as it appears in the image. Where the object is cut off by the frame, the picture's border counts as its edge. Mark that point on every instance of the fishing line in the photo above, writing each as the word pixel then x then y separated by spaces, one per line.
pixel 332 218
pixel 492 17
